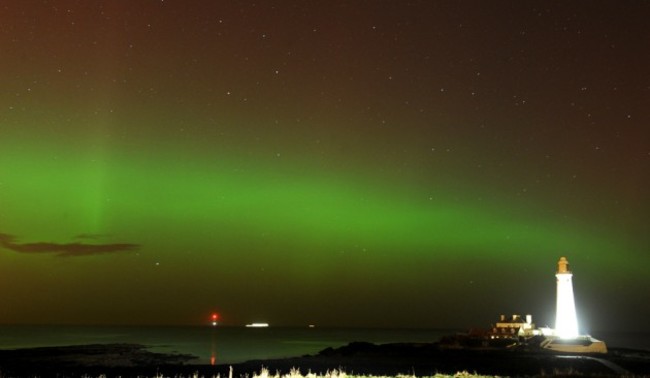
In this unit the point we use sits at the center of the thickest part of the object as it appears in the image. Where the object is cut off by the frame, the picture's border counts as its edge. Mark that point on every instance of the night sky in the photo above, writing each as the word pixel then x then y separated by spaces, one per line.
pixel 338 163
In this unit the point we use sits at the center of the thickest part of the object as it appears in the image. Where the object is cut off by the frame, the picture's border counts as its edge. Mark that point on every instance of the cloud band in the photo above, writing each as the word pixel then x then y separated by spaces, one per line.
pixel 64 249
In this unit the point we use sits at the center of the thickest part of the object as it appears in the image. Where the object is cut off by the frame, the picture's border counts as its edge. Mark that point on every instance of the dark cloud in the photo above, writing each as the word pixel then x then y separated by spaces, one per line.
pixel 68 249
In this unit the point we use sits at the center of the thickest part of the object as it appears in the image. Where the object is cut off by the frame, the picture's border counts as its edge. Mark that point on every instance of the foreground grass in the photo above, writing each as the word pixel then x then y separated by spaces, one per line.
pixel 295 373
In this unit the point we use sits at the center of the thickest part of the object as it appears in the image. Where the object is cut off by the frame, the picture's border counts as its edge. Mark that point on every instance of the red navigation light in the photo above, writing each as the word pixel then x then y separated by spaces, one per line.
pixel 214 318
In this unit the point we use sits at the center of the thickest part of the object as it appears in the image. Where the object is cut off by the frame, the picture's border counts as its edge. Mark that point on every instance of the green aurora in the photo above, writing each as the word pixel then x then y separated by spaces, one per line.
pixel 268 189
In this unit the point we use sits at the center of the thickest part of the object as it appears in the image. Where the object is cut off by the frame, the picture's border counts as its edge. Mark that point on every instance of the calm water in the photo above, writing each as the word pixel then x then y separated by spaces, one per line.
pixel 236 344
pixel 224 344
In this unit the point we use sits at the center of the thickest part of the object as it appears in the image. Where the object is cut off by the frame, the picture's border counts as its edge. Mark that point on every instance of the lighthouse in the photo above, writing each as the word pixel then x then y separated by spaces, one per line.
pixel 566 321
pixel 565 337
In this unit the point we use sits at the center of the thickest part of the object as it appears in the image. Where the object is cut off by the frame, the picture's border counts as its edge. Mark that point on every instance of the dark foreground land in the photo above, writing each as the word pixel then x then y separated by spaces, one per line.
pixel 129 360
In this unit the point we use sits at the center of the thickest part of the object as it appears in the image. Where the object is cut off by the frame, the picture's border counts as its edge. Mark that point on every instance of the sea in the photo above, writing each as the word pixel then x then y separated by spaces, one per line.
pixel 229 345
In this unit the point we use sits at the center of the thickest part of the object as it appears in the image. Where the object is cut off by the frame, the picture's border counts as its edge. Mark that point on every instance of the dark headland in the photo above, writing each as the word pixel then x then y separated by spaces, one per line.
pixel 358 358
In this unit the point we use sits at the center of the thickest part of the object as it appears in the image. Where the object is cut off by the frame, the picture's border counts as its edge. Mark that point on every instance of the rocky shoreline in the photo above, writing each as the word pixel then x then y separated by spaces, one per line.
pixel 359 358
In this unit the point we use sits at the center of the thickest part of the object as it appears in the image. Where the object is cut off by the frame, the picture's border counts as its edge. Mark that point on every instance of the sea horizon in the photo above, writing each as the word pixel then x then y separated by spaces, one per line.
pixel 220 344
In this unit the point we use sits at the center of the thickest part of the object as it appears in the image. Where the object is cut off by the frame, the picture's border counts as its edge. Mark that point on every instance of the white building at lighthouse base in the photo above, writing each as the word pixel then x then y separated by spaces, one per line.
pixel 579 344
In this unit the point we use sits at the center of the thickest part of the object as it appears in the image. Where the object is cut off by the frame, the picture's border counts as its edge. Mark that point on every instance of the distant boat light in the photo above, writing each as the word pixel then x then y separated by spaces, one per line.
pixel 257 325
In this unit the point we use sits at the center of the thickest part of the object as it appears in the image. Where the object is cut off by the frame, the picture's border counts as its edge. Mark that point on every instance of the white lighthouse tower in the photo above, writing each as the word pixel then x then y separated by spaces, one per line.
pixel 566 321
pixel 565 337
